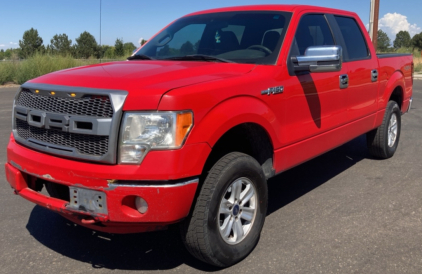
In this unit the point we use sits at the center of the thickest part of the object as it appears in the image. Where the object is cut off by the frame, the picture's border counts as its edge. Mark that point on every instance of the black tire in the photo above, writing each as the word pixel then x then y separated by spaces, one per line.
pixel 378 139
pixel 201 230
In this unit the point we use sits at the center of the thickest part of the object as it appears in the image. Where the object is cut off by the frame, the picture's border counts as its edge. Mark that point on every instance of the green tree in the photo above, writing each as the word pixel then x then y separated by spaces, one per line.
pixel 402 40
pixel 30 43
pixel 187 48
pixel 1 54
pixel 61 44
pixel 42 49
pixel 143 41
pixel 383 41
pixel 196 46
pixel 417 41
pixel 49 50
pixel 118 47
pixel 8 54
pixel 109 52
pixel 103 49
pixel 86 46
pixel 164 51
pixel 129 48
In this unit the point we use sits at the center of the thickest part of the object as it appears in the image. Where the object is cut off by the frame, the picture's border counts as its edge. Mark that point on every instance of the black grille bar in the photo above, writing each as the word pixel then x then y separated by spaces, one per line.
pixel 88 105
pixel 86 144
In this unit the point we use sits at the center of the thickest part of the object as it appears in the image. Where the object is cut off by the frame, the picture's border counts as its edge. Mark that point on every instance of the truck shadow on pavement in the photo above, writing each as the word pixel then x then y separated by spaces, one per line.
pixel 164 249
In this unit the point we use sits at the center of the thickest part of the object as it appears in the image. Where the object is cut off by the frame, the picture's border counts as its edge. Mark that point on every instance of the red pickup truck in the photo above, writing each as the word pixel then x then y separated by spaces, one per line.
pixel 190 128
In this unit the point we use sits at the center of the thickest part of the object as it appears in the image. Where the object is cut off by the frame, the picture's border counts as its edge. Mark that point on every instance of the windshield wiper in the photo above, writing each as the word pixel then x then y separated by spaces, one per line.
pixel 199 57
pixel 140 57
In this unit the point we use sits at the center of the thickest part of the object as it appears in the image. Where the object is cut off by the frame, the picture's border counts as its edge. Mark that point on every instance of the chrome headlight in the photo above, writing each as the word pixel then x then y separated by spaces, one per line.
pixel 145 131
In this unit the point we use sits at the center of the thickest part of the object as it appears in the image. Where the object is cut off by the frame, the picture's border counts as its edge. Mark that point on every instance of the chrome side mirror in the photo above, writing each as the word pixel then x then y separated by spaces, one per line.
pixel 319 59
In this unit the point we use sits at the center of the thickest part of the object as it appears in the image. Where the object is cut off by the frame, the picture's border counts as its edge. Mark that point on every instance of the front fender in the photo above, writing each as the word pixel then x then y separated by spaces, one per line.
pixel 232 112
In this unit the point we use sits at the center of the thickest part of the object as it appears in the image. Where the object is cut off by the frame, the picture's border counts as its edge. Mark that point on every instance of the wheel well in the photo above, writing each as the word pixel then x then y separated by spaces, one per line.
pixel 397 96
pixel 248 138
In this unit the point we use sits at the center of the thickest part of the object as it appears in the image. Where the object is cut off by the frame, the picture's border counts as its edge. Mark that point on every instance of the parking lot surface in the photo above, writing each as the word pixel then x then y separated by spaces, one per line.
pixel 343 212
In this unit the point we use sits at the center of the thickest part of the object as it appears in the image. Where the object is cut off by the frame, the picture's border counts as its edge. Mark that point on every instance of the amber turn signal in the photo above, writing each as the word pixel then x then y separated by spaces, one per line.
pixel 184 123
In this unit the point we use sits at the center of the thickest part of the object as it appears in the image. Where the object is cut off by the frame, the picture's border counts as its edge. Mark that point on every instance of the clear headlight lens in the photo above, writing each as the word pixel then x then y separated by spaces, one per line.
pixel 142 132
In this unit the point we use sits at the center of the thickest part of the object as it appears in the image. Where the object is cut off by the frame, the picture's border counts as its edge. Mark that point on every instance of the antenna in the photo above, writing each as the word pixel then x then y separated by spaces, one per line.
pixel 101 48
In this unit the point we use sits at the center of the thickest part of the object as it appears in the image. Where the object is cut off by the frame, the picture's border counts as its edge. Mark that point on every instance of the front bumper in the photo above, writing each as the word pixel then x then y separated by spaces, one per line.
pixel 169 201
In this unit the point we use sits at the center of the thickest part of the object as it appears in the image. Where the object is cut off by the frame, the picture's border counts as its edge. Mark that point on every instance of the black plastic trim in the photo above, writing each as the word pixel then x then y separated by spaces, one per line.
pixel 392 55
pixel 154 183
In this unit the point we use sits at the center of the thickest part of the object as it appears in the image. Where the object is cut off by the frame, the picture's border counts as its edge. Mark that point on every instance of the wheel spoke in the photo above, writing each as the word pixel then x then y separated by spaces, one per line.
pixel 247 213
pixel 236 190
pixel 238 229
pixel 246 194
pixel 225 206
pixel 394 128
pixel 394 120
pixel 227 226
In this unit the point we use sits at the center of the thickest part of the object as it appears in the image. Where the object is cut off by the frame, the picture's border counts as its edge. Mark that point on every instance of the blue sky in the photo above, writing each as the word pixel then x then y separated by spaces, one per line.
pixel 135 19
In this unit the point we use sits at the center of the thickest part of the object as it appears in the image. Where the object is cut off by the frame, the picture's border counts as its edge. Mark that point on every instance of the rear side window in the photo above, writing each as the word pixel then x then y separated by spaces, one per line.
pixel 313 30
pixel 353 38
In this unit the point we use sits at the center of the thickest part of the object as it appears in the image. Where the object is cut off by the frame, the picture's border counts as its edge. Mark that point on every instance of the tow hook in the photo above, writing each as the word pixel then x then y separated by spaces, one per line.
pixel 88 221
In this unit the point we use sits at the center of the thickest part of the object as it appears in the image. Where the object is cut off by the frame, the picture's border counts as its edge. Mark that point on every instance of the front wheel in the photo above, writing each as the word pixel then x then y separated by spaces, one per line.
pixel 229 213
pixel 383 141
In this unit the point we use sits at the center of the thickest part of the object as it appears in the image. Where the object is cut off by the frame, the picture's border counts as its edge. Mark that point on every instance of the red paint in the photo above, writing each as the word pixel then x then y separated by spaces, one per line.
pixel 311 117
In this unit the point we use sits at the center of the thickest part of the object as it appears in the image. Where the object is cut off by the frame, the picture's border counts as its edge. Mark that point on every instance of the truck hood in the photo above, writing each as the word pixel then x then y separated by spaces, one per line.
pixel 146 81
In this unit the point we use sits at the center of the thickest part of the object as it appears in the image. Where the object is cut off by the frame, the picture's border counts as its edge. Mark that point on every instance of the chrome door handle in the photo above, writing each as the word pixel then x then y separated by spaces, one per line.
pixel 344 81
pixel 374 75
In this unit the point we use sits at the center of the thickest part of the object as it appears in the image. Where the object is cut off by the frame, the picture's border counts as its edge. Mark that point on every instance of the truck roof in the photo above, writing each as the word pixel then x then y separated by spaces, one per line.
pixel 288 8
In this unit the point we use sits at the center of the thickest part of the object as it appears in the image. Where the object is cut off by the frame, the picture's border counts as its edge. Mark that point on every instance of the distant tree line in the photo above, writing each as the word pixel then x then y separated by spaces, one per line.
pixel 85 47
pixel 403 40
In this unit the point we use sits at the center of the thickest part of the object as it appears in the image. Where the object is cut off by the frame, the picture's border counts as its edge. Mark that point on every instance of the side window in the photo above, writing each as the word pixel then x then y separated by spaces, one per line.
pixel 185 41
pixel 353 38
pixel 313 30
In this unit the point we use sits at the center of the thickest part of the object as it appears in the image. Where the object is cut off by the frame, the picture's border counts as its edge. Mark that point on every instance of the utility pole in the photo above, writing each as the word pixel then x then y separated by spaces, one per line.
pixel 373 21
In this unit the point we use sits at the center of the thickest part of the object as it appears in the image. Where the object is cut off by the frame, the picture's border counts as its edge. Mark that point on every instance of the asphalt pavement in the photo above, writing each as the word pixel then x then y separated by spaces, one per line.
pixel 343 212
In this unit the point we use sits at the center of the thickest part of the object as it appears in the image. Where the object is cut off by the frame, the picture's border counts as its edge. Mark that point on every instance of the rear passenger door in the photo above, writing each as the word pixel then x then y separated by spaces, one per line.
pixel 361 68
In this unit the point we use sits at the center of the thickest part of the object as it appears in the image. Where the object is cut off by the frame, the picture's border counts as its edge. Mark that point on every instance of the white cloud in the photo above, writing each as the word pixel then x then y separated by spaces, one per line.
pixel 392 23
pixel 2 45
pixel 13 43
pixel 414 29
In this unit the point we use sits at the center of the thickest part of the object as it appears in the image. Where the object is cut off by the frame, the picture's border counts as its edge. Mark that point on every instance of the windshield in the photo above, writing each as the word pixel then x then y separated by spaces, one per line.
pixel 243 37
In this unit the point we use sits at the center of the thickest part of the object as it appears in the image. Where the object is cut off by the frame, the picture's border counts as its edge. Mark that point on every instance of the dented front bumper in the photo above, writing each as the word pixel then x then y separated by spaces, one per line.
pixel 169 201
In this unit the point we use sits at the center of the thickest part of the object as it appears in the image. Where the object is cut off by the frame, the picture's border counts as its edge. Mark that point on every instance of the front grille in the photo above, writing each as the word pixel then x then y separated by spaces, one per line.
pixel 93 145
pixel 88 105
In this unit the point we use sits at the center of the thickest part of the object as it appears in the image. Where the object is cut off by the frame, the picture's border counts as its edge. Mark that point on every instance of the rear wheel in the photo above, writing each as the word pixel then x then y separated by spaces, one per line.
pixel 229 213
pixel 383 141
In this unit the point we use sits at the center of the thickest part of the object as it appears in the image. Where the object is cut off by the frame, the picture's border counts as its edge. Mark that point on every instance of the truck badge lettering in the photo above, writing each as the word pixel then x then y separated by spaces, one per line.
pixel 273 90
